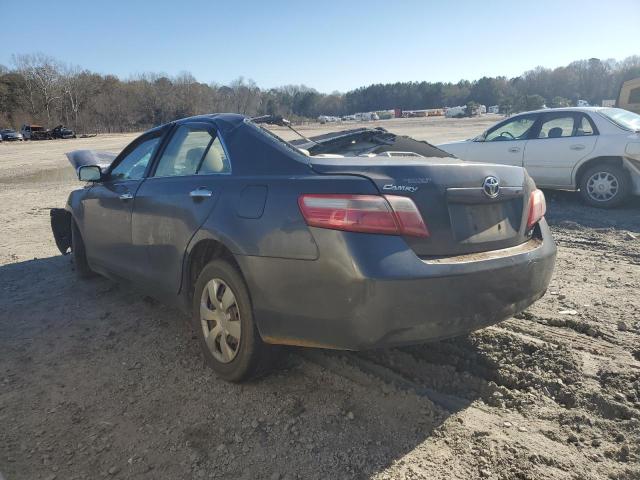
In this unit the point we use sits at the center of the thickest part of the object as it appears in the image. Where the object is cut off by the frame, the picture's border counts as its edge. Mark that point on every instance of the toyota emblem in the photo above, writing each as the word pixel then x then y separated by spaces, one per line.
pixel 491 187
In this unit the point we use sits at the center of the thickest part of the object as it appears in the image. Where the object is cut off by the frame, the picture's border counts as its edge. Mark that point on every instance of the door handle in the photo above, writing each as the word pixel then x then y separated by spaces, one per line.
pixel 577 147
pixel 200 192
pixel 126 196
pixel 514 149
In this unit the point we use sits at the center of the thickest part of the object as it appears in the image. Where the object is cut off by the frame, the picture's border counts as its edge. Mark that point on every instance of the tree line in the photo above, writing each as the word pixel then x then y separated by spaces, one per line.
pixel 42 90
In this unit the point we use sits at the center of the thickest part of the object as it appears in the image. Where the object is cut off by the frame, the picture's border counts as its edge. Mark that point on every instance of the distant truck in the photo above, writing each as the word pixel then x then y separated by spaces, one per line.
pixel 35 132
pixel 629 96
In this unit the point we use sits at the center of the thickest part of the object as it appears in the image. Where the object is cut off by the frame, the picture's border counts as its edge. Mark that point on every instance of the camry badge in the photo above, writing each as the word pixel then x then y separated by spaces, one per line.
pixel 491 187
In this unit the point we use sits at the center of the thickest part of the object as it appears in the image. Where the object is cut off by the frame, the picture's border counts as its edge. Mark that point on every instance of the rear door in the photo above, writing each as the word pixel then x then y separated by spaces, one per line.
pixel 175 200
pixel 505 143
pixel 560 142
pixel 107 207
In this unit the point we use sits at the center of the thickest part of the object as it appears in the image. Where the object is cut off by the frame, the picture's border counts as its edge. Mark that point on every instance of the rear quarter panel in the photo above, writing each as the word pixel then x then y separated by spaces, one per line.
pixel 280 230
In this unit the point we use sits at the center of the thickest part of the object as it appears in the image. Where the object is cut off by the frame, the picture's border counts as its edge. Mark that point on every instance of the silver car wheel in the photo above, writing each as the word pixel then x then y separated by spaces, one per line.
pixel 602 186
pixel 220 320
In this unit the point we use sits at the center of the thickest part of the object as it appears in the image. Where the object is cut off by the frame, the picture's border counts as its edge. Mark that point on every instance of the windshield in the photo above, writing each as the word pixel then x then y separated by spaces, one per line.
pixel 623 118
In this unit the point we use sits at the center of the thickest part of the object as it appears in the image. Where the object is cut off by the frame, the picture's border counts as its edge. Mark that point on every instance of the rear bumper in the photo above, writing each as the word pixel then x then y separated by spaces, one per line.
pixel 370 291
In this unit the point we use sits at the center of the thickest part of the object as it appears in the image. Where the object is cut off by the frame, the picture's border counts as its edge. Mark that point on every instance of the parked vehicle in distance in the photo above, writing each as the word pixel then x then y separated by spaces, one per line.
pixel 9 135
pixel 629 96
pixel 328 119
pixel 455 112
pixel 35 132
pixel 594 150
pixel 264 242
pixel 62 132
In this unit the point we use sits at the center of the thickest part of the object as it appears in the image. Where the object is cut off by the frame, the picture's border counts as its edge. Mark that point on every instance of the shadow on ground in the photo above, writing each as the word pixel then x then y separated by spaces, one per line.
pixel 98 378
pixel 567 209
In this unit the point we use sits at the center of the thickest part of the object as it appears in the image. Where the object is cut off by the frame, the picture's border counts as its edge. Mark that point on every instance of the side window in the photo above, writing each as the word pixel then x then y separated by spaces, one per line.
pixel 134 164
pixel 215 161
pixel 557 127
pixel 634 95
pixel 584 127
pixel 516 129
pixel 184 152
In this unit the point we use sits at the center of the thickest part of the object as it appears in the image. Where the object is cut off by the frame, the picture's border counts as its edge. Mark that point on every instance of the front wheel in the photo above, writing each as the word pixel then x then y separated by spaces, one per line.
pixel 605 186
pixel 223 321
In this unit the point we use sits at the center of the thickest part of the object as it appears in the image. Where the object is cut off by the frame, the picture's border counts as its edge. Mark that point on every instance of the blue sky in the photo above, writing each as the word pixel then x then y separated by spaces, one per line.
pixel 328 45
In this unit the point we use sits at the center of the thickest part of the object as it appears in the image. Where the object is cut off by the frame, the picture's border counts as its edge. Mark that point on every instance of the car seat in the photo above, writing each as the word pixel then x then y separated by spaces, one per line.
pixel 555 132
pixel 193 159
pixel 215 161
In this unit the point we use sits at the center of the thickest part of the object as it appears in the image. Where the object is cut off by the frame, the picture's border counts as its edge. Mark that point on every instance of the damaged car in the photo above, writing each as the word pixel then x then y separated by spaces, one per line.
pixel 62 132
pixel 347 241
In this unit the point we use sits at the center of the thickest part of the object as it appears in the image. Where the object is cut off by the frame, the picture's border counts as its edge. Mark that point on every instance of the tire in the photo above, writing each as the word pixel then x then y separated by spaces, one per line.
pixel 605 185
pixel 224 320
pixel 79 253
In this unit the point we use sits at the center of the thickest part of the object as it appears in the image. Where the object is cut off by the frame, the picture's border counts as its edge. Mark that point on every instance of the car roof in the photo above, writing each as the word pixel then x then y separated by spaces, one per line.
pixel 564 109
pixel 230 118
pixel 226 121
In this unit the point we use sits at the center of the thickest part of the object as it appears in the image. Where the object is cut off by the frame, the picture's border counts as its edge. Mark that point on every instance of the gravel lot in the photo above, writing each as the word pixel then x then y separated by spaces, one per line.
pixel 99 381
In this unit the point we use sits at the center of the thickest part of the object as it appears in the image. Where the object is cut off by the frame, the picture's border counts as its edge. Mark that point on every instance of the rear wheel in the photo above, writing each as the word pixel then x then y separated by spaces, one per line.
pixel 79 253
pixel 223 321
pixel 605 185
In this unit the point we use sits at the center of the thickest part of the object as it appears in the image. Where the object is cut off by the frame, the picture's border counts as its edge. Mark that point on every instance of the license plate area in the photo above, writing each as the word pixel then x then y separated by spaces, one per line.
pixel 485 222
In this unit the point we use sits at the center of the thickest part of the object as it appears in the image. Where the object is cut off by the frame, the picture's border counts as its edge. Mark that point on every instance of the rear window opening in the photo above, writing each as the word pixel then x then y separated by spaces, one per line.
pixel 359 142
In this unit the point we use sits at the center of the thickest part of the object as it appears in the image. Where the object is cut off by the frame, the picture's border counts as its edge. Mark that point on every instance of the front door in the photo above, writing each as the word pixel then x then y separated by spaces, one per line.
pixel 176 199
pixel 504 144
pixel 108 205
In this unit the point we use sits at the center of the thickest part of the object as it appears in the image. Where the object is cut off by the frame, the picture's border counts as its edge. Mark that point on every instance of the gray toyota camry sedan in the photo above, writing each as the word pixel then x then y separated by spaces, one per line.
pixel 354 240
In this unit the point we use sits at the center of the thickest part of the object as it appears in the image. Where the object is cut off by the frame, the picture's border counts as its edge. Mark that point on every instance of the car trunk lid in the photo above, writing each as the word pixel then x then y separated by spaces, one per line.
pixel 450 195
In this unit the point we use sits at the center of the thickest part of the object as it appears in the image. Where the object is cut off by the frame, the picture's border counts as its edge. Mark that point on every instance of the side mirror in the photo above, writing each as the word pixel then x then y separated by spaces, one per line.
pixel 89 173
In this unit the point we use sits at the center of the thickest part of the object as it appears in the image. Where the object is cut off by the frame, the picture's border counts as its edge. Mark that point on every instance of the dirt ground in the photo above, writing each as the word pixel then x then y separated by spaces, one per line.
pixel 99 381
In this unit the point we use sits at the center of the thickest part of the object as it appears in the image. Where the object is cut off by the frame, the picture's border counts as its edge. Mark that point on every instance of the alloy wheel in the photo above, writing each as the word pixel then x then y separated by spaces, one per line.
pixel 220 320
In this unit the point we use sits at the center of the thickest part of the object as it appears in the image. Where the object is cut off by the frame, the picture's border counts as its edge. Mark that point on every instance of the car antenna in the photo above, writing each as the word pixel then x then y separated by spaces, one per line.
pixel 282 122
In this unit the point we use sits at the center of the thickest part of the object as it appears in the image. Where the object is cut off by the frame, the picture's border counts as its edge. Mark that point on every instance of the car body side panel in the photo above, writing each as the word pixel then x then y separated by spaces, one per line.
pixel 503 153
pixel 281 230
pixel 106 226
pixel 165 217
pixel 550 162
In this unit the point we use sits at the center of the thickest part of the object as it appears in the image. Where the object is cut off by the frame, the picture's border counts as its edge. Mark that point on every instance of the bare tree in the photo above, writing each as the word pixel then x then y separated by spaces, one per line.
pixel 42 77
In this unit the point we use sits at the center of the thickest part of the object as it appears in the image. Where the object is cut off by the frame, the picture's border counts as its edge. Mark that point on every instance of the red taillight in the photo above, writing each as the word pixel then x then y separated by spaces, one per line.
pixel 392 215
pixel 537 208
pixel 408 216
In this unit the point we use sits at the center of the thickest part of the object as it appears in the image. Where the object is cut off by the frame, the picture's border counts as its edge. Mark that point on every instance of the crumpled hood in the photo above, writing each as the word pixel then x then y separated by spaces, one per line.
pixel 80 158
